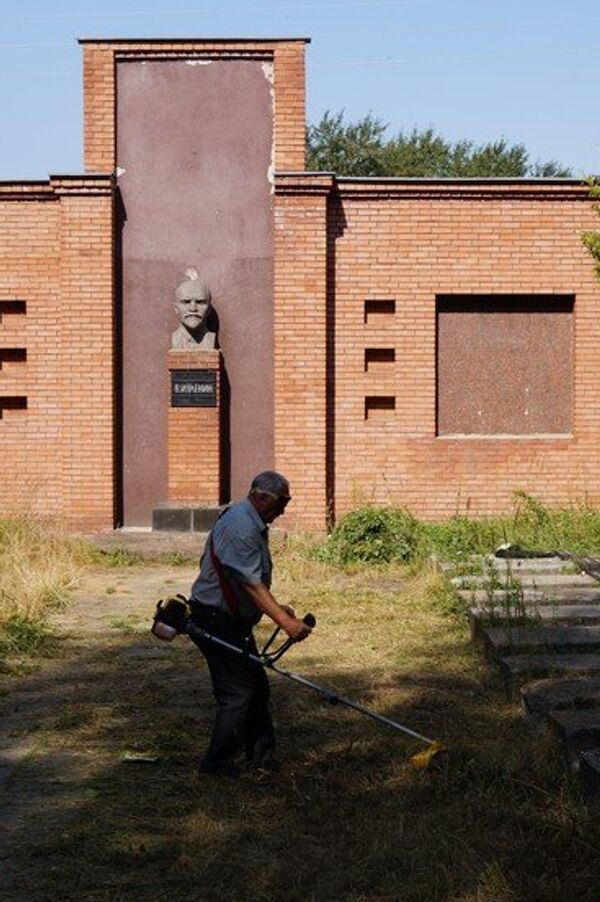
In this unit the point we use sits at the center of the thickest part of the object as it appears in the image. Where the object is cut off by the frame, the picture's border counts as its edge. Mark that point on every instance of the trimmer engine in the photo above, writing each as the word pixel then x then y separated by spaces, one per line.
pixel 171 617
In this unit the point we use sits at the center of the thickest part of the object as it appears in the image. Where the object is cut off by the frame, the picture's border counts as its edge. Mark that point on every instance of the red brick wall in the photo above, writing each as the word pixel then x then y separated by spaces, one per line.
pixel 99 91
pixel 300 301
pixel 409 242
pixel 194 450
pixel 56 256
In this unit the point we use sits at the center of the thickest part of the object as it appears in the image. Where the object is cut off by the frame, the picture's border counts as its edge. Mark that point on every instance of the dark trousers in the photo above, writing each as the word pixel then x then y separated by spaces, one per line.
pixel 241 690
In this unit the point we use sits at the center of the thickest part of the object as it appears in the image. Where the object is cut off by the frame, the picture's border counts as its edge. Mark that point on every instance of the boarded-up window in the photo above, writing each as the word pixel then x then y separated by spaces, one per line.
pixel 504 365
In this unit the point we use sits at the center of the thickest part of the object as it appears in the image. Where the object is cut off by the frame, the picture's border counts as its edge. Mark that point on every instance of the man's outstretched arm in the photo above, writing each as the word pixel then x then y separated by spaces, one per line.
pixel 265 602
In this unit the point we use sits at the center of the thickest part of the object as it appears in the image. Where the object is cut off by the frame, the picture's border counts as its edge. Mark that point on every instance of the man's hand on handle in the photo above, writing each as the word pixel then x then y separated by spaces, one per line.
pixel 298 629
pixel 281 614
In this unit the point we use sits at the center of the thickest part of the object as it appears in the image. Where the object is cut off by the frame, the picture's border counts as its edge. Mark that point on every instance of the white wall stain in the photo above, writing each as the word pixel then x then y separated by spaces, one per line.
pixel 198 62
pixel 268 71
pixel 269 74
pixel 119 171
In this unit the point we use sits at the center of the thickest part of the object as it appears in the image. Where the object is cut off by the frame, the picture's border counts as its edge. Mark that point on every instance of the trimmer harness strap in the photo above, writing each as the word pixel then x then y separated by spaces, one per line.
pixel 229 595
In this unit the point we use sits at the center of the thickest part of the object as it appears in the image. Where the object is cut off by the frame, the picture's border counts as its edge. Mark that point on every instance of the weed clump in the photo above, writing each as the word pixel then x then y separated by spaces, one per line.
pixel 372 535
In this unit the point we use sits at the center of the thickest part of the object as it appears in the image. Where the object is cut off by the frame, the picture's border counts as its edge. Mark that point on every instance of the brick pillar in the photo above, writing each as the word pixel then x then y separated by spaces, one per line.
pixel 85 389
pixel 301 273
pixel 194 465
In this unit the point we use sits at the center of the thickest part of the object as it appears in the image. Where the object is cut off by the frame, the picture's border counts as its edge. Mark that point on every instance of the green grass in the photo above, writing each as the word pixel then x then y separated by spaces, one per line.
pixel 117 557
pixel 22 634
pixel 128 623
pixel 381 535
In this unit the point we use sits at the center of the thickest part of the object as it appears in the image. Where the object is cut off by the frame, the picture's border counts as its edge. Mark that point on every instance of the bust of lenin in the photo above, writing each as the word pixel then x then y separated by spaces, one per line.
pixel 192 306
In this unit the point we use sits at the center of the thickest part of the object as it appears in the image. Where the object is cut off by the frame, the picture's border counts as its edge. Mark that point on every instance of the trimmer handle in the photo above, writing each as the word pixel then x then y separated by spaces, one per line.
pixel 309 619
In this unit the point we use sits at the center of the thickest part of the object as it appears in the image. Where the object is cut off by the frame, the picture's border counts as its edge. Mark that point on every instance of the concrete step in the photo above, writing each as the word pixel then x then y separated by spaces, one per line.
pixel 574 614
pixel 528 565
pixel 589 770
pixel 542 696
pixel 517 668
pixel 579 731
pixel 550 595
pixel 542 581
pixel 540 639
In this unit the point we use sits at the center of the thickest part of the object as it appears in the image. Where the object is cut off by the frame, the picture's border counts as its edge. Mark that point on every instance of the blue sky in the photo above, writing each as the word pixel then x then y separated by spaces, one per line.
pixel 526 70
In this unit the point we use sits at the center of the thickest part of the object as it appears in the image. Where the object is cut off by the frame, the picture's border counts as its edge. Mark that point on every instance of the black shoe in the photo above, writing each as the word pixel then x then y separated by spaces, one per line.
pixel 267 765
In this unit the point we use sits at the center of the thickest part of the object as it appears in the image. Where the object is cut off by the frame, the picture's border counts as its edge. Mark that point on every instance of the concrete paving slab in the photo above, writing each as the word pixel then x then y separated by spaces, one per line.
pixel 579 731
pixel 550 595
pixel 529 565
pixel 517 640
pixel 481 617
pixel 542 696
pixel 542 581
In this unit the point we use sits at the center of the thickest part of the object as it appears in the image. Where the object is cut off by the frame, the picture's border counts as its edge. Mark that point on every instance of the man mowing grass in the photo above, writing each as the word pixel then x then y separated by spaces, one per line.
pixel 228 598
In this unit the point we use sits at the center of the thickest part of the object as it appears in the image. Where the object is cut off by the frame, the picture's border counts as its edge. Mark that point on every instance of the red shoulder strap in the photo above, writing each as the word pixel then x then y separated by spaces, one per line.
pixel 226 588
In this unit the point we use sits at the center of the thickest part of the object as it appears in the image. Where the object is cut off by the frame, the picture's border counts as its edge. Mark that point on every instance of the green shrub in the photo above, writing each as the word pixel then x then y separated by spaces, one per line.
pixel 372 534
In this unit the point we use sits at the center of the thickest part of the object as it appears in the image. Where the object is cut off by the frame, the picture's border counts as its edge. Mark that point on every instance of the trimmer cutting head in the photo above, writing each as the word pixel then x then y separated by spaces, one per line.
pixel 423 759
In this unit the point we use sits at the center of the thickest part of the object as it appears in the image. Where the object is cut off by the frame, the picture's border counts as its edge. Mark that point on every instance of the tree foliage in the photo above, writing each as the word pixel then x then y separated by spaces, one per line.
pixel 362 149
pixel 591 240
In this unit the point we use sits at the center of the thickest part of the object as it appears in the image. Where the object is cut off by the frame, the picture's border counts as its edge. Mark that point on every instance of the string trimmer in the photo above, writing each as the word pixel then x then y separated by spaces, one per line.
pixel 172 617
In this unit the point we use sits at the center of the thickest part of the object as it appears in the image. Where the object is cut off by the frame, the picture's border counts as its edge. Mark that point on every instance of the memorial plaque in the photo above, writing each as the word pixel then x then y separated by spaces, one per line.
pixel 193 388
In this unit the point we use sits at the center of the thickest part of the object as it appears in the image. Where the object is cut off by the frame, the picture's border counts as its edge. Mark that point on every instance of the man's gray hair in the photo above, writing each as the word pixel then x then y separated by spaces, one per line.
pixel 271 482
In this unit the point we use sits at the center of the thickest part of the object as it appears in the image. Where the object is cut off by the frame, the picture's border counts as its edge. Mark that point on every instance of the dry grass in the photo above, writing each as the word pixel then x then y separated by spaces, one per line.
pixel 495 820
pixel 38 565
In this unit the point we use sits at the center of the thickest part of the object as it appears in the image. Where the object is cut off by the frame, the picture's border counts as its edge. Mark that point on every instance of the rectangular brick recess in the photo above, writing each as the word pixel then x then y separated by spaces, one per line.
pixel 12 403
pixel 11 307
pixel 12 355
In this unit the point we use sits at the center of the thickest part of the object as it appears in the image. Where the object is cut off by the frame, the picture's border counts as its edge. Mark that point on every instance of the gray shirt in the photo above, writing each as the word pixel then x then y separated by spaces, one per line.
pixel 241 544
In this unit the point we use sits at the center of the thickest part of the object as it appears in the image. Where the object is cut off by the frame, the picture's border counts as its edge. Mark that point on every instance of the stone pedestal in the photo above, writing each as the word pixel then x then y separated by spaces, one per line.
pixel 193 428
